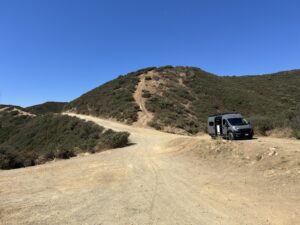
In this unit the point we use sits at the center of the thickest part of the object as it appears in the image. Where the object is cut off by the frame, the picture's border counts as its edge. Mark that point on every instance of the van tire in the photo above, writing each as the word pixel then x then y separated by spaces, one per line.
pixel 230 136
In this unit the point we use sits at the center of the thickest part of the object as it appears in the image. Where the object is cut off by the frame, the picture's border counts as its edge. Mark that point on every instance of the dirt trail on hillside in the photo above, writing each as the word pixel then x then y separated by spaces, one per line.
pixel 160 179
pixel 144 116
pixel 19 112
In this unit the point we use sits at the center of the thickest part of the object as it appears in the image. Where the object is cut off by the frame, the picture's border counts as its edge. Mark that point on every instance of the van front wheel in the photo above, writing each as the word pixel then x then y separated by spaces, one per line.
pixel 230 136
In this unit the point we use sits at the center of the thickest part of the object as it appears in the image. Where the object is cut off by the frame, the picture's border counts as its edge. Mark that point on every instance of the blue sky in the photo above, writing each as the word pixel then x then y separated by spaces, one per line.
pixel 59 49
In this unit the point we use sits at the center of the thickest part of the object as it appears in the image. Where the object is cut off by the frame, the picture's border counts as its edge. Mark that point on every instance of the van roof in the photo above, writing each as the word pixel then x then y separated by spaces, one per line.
pixel 222 114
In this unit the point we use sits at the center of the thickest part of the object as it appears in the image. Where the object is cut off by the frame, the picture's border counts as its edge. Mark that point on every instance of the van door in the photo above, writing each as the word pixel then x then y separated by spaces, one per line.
pixel 225 126
pixel 211 127
pixel 218 125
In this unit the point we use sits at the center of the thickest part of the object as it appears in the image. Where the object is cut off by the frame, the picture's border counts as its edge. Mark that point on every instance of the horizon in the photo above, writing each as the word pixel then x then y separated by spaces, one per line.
pixel 59 50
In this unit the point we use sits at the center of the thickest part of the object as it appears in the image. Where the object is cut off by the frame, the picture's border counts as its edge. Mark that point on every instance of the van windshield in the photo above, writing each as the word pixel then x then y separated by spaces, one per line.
pixel 238 121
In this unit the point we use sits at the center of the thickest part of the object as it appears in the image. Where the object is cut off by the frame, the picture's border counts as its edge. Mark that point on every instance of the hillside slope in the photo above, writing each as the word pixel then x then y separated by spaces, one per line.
pixel 180 99
pixel 28 140
pixel 111 100
pixel 47 107
pixel 183 97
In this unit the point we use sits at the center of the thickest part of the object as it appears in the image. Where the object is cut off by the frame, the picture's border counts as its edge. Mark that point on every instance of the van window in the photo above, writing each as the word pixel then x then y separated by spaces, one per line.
pixel 238 121
pixel 211 123
pixel 224 122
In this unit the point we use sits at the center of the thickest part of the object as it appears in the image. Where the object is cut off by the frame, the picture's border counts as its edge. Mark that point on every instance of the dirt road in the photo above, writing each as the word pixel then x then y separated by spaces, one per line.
pixel 160 179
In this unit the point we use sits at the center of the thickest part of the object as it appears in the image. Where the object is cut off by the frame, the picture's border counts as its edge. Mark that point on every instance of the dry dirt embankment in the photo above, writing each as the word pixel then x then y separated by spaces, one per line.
pixel 160 179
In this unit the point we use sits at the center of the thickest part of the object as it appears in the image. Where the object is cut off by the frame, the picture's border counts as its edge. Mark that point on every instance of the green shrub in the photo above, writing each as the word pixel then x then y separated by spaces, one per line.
pixel 146 94
pixel 293 121
pixel 111 139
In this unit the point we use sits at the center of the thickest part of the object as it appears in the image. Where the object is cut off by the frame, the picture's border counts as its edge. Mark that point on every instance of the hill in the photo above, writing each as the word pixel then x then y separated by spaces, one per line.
pixel 111 100
pixel 27 140
pixel 181 98
pixel 44 108
pixel 11 107
pixel 47 107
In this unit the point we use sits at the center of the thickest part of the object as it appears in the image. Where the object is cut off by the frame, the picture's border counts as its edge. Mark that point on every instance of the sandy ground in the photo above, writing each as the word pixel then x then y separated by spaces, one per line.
pixel 160 179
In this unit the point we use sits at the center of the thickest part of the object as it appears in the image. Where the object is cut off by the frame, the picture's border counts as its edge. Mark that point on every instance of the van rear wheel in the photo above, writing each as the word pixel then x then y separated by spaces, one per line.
pixel 230 136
